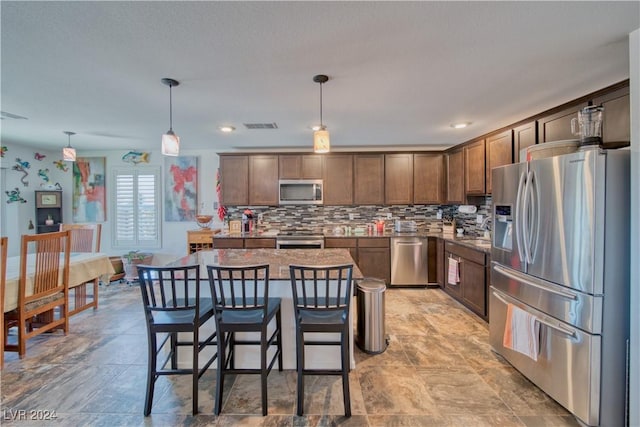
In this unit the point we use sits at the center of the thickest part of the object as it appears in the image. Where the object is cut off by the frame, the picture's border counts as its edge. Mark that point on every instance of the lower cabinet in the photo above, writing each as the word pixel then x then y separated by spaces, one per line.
pixel 371 254
pixel 471 290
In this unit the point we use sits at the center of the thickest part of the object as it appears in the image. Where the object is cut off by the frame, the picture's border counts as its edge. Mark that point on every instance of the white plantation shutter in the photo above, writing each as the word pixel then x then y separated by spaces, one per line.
pixel 136 207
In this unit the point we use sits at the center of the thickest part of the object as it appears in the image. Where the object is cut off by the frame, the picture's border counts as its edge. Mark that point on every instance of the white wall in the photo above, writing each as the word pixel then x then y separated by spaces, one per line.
pixel 16 216
pixel 634 73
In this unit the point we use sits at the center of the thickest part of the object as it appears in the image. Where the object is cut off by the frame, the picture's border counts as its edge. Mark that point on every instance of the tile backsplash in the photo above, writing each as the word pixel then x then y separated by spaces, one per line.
pixel 312 218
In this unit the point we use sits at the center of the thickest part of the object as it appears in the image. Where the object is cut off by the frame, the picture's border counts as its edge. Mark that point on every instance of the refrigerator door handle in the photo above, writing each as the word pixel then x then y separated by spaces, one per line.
pixel 535 194
pixel 518 215
pixel 526 217
pixel 520 278
pixel 557 328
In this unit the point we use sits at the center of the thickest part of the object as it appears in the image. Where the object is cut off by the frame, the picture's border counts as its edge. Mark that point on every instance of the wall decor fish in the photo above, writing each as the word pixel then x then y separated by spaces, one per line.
pixel 14 196
pixel 136 157
pixel 61 164
pixel 39 156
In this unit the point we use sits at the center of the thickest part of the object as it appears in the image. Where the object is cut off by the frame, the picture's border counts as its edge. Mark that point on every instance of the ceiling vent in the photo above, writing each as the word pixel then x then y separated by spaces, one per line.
pixel 261 125
pixel 5 115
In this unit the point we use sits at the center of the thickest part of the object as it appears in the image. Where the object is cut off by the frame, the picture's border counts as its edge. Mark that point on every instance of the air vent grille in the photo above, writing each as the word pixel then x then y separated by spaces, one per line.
pixel 261 125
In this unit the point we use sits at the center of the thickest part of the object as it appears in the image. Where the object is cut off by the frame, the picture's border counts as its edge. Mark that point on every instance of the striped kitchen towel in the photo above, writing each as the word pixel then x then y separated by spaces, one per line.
pixel 453 276
pixel 521 332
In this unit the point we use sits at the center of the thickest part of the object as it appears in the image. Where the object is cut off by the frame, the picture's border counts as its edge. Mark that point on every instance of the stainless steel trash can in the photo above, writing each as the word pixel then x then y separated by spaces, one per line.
pixel 370 325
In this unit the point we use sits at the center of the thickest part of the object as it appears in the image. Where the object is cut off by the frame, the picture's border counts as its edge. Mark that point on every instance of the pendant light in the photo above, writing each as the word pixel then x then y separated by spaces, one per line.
pixel 321 143
pixel 68 152
pixel 170 141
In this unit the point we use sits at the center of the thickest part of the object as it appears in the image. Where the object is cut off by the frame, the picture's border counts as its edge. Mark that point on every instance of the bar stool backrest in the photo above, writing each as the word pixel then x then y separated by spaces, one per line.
pixel 242 290
pixel 321 287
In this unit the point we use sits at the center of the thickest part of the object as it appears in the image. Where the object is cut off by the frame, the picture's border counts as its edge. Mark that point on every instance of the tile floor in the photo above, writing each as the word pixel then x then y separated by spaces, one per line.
pixel 437 371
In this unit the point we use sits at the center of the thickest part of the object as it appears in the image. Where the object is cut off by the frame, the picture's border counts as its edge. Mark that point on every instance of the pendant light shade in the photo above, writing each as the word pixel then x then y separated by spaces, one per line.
pixel 68 152
pixel 321 141
pixel 170 141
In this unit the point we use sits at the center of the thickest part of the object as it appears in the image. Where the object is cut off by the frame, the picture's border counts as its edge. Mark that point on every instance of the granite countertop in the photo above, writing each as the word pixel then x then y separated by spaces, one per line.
pixel 476 243
pixel 278 259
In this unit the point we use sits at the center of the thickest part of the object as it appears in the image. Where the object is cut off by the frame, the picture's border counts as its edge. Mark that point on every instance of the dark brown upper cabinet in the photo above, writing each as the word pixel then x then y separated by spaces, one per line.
pixel 616 121
pixel 557 126
pixel 454 170
pixel 475 168
pixel 263 180
pixel 499 152
pixel 398 179
pixel 428 177
pixel 300 166
pixel 523 136
pixel 338 179
pixel 234 176
pixel 368 172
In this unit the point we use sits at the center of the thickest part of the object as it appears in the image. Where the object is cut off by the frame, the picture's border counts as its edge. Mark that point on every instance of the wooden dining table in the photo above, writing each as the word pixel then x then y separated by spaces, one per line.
pixel 83 267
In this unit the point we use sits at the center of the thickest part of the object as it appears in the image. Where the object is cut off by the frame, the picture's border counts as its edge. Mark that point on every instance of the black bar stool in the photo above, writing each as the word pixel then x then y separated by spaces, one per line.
pixel 172 304
pixel 242 304
pixel 321 299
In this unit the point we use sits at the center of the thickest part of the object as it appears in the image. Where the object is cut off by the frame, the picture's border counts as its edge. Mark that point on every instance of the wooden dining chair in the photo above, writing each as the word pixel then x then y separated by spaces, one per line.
pixel 173 307
pixel 84 238
pixel 241 303
pixel 43 287
pixel 3 279
pixel 321 303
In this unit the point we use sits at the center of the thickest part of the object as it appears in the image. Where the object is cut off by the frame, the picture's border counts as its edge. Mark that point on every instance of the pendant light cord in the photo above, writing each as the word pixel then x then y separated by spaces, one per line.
pixel 170 109
pixel 321 125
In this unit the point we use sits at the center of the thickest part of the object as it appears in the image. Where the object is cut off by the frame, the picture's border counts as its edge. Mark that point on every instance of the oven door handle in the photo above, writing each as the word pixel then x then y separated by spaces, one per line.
pixel 300 242
pixel 562 330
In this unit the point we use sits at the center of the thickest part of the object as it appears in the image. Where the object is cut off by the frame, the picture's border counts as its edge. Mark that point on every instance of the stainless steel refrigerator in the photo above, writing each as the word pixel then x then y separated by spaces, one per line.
pixel 560 256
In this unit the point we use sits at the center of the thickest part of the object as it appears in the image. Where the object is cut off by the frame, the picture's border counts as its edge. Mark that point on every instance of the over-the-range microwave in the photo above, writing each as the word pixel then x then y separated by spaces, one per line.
pixel 300 191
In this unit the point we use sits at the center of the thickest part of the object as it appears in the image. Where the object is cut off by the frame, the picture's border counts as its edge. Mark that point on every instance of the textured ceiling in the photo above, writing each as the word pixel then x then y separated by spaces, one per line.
pixel 400 72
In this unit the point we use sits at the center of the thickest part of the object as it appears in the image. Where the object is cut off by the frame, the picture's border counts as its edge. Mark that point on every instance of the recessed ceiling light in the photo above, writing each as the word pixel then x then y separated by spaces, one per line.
pixel 226 129
pixel 460 125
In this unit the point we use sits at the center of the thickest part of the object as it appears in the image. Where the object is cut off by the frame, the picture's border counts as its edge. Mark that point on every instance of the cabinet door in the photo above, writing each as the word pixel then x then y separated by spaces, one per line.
pixel 616 121
pixel 234 173
pixel 499 150
pixel 368 171
pixel 263 180
pixel 338 179
pixel 428 176
pixel 347 243
pixel 398 179
pixel 557 126
pixel 300 166
pixel 454 290
pixel 474 292
pixel 474 167
pixel 455 177
pixel 523 136
pixel 375 262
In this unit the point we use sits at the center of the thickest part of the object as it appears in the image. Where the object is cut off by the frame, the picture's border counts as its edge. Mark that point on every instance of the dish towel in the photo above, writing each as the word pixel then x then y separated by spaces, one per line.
pixel 521 332
pixel 453 276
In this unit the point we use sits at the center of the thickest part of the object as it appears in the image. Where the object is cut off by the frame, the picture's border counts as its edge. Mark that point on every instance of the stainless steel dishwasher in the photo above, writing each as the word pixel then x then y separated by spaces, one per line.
pixel 409 261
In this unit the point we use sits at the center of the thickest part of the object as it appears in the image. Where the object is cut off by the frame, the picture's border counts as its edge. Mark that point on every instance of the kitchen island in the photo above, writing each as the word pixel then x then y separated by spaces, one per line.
pixel 318 357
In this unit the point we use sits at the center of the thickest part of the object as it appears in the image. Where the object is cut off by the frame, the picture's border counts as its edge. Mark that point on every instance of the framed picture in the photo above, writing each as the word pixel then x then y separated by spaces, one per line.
pixel 180 188
pixel 89 192
pixel 48 199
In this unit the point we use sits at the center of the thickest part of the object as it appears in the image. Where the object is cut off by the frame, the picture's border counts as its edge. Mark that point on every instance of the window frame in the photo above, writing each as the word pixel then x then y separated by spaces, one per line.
pixel 136 242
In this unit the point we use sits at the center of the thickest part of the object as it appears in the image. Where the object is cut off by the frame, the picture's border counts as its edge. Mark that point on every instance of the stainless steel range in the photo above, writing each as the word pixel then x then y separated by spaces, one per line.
pixel 299 240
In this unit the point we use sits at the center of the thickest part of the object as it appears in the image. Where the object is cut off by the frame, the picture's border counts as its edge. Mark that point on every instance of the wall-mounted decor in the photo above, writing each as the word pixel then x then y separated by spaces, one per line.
pixel 14 196
pixel 44 174
pixel 180 188
pixel 61 164
pixel 39 156
pixel 135 157
pixel 21 166
pixel 89 195
pixel 3 150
